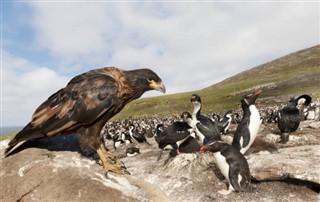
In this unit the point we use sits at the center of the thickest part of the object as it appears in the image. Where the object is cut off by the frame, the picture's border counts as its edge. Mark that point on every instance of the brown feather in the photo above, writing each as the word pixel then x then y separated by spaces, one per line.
pixel 87 102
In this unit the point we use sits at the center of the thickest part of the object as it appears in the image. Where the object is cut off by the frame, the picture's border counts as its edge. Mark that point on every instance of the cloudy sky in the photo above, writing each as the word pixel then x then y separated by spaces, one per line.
pixel 191 45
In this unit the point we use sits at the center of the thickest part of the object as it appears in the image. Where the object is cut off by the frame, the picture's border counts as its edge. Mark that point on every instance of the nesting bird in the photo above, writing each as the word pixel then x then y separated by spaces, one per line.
pixel 132 151
pixel 289 116
pixel 175 134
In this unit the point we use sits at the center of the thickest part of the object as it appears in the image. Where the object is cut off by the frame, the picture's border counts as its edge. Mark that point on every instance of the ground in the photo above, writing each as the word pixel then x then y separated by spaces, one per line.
pixel 185 186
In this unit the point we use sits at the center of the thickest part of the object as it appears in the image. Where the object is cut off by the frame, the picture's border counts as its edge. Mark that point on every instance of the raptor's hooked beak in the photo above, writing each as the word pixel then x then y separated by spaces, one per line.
pixel 158 86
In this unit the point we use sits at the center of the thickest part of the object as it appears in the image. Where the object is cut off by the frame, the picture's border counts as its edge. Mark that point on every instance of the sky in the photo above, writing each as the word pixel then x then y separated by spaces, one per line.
pixel 190 45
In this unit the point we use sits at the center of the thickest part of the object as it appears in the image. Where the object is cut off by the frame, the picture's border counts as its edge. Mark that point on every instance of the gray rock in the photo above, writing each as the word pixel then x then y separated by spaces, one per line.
pixel 302 163
pixel 314 125
pixel 40 175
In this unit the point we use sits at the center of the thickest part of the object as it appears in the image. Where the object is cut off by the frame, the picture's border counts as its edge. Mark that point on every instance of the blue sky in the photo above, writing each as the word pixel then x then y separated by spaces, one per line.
pixel 191 45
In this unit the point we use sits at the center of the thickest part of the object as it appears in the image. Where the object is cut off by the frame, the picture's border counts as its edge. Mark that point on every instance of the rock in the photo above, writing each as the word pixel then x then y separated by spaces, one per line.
pixel 302 163
pixel 42 175
pixel 314 125
pixel 58 174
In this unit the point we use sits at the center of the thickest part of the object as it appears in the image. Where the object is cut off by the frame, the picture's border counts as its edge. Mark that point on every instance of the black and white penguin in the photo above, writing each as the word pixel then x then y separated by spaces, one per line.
pixel 171 137
pixel 236 118
pixel 125 136
pixel 216 117
pixel 225 123
pixel 117 141
pixel 205 128
pixel 249 125
pixel 232 165
pixel 132 151
pixel 190 145
pixel 289 116
pixel 140 138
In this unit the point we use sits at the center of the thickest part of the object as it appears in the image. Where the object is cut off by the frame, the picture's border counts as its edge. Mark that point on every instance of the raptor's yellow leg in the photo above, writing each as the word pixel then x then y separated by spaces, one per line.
pixel 109 162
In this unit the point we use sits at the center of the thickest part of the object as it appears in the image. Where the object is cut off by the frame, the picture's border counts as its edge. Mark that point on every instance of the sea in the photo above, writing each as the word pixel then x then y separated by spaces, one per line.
pixel 9 130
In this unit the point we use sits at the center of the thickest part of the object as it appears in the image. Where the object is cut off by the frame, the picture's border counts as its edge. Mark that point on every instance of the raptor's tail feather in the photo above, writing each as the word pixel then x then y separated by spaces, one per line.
pixel 27 133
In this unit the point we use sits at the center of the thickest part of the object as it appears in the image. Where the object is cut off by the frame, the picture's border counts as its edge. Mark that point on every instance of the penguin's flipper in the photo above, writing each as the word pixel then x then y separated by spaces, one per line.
pixel 234 173
pixel 246 138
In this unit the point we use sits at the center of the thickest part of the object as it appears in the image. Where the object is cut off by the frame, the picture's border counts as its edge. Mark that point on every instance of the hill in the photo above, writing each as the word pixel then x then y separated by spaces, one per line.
pixel 291 75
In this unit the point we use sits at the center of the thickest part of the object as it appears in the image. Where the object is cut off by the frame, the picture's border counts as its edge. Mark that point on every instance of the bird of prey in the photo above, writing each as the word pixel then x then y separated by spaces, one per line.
pixel 85 105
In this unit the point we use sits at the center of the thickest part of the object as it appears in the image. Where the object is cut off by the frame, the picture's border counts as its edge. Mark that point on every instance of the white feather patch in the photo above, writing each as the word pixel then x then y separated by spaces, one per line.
pixel 254 126
pixel 222 164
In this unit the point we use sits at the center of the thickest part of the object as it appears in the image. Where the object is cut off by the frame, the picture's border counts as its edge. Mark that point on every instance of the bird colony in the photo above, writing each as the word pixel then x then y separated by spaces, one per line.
pixel 89 100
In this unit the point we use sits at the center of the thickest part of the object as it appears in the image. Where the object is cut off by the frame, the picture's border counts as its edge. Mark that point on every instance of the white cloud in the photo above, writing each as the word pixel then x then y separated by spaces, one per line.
pixel 189 42
pixel 24 86
pixel 190 45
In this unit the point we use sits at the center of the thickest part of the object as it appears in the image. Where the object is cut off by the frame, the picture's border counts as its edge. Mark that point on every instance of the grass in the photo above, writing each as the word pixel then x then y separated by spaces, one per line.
pixel 7 136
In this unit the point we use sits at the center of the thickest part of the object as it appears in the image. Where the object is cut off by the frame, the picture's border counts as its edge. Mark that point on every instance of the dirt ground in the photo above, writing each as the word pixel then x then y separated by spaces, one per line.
pixel 185 186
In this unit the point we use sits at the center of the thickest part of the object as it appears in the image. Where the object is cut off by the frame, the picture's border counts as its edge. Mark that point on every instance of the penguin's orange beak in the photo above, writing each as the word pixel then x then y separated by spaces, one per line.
pixel 204 148
pixel 258 92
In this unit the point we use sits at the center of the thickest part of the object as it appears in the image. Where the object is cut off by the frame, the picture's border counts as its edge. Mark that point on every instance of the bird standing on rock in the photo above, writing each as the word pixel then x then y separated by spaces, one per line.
pixel 289 117
pixel 85 105
pixel 232 165
pixel 205 128
pixel 248 128
pixel 135 135
pixel 224 124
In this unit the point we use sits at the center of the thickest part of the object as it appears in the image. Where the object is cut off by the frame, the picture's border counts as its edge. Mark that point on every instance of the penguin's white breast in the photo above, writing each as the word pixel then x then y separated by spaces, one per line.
pixel 222 164
pixel 117 144
pixel 254 124
pixel 133 154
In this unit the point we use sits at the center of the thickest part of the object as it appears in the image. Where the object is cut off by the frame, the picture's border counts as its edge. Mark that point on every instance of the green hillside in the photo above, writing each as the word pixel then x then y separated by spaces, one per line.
pixel 290 75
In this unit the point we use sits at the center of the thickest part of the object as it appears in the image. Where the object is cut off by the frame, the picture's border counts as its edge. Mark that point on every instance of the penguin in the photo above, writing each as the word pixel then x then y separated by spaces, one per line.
pixel 249 125
pixel 126 138
pixel 174 135
pixel 190 145
pixel 289 117
pixel 132 151
pixel 236 118
pixel 140 138
pixel 205 128
pixel 117 141
pixel 215 117
pixel 232 165
pixel 224 124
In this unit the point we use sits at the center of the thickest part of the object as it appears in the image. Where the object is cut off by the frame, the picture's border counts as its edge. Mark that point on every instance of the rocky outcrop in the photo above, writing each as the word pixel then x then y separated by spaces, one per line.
pixel 55 170
pixel 302 163
pixel 40 175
